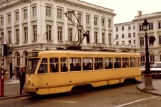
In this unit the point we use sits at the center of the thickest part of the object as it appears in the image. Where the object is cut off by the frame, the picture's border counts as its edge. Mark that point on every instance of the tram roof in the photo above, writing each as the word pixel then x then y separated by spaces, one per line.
pixel 71 52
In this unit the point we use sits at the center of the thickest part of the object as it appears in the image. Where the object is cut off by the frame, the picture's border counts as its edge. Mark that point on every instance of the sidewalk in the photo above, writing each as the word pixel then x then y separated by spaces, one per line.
pixel 12 90
pixel 156 84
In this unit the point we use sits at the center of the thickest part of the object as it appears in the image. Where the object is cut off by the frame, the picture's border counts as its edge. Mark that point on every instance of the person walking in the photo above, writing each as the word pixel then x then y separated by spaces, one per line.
pixel 22 78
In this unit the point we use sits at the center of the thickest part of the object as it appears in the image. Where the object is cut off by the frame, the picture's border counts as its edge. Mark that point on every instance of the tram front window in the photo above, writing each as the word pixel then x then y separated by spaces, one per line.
pixel 31 65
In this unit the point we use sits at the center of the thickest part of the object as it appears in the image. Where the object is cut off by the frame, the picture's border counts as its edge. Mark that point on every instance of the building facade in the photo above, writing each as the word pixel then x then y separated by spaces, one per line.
pixel 138 39
pixel 28 25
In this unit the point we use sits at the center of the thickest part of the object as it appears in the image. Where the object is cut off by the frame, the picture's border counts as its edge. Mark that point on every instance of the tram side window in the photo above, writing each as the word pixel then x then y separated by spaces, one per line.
pixel 117 62
pixel 54 65
pixel 108 63
pixel 87 63
pixel 137 62
pixel 75 64
pixel 98 63
pixel 125 62
pixel 43 66
pixel 64 64
pixel 132 62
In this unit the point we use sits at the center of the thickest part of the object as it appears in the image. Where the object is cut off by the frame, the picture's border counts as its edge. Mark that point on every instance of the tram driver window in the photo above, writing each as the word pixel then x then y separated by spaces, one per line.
pixel 98 63
pixel 64 64
pixel 43 66
pixel 108 63
pixel 87 63
pixel 137 62
pixel 54 65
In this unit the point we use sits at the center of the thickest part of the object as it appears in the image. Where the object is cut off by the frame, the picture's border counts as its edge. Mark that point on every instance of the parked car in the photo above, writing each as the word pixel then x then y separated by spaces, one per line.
pixel 155 69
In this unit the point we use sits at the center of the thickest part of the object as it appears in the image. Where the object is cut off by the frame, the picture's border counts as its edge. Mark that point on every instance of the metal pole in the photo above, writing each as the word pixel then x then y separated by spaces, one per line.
pixel 148 73
pixel 2 75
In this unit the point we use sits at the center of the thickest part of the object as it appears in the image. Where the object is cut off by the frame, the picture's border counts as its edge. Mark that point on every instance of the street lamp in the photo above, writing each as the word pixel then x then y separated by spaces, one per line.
pixel 147 73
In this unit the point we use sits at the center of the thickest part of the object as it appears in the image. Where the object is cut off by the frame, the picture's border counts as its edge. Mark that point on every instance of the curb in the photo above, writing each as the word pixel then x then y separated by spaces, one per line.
pixel 147 91
pixel 13 97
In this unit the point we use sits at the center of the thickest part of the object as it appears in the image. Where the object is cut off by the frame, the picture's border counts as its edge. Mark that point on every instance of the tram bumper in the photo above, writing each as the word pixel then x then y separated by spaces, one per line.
pixel 30 89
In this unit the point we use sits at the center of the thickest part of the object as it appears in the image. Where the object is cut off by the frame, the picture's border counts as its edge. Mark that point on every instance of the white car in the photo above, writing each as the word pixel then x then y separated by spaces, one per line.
pixel 155 69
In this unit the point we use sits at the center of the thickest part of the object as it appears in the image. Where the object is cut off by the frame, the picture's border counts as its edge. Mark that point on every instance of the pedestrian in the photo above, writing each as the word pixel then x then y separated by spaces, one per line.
pixel 22 78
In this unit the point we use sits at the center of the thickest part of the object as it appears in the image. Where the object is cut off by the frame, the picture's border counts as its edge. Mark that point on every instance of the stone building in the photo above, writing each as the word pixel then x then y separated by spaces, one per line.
pixel 28 25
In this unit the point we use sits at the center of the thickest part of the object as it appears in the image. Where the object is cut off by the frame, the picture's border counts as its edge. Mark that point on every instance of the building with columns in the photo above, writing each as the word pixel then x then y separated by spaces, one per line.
pixel 138 34
pixel 28 25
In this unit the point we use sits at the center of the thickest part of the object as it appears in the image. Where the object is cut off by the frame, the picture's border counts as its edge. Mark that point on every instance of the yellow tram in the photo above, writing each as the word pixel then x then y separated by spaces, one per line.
pixel 58 71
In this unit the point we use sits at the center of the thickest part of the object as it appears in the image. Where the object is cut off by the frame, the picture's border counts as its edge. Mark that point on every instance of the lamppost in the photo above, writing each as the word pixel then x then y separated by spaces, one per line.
pixel 147 73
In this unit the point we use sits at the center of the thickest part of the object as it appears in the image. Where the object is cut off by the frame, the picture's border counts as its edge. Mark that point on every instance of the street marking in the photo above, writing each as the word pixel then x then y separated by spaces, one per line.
pixel 136 101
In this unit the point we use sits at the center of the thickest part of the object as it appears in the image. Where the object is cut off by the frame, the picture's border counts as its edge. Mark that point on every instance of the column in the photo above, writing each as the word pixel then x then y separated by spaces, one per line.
pixel 99 30
pixel 20 28
pixel 55 37
pixel 30 34
pixel 92 29
pixel 65 33
pixel 84 42
pixel 13 28
pixel 106 33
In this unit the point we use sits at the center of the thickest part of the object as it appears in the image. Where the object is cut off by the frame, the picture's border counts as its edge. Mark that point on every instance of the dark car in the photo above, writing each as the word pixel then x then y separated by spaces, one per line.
pixel 155 69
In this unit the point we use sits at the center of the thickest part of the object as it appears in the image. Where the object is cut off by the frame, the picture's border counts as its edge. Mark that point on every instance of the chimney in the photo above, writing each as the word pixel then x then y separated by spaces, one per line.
pixel 139 13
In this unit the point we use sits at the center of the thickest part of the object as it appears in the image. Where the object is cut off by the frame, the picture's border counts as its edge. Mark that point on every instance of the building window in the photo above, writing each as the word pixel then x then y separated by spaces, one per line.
pixel 95 37
pixel 134 34
pixel 123 36
pixel 103 21
pixel 95 20
pixel 60 33
pixel 140 28
pixel 129 35
pixel 116 29
pixel 48 32
pixel 129 41
pixel 133 27
pixel 59 13
pixel 48 11
pixel 159 25
pixel 159 39
pixel 87 19
pixel 150 26
pixel 17 36
pixel 109 23
pixel 141 41
pixel 34 12
pixel 70 15
pixel 2 37
pixel 160 57
pixel 129 27
pixel 9 18
pixel 9 37
pixel 103 38
pixel 25 34
pixel 122 28
pixel 151 58
pixel 117 43
pixel 79 34
pixel 109 39
pixel 34 33
pixel 70 34
pixel 88 37
pixel 2 21
pixel 134 41
pixel 16 16
pixel 25 15
pixel 79 16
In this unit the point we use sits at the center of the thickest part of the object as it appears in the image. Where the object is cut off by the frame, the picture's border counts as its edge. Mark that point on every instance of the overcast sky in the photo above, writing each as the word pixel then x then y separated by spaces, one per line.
pixel 127 9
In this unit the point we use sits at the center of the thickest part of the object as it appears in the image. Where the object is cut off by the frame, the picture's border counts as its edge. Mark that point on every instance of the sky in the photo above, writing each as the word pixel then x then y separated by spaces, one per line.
pixel 126 10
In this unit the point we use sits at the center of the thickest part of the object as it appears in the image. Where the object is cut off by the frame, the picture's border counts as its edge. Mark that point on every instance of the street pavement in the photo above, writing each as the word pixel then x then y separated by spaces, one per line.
pixel 12 89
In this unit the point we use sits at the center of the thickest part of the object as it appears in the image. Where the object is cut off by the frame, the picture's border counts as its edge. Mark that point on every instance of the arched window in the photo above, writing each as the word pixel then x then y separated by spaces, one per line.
pixel 25 58
pixel 151 57
pixel 142 58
